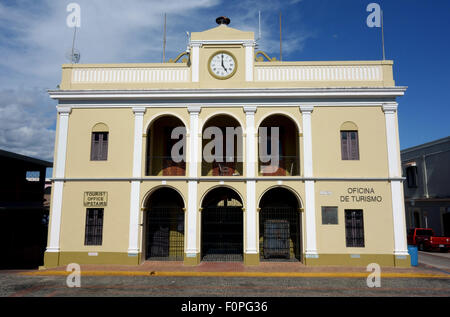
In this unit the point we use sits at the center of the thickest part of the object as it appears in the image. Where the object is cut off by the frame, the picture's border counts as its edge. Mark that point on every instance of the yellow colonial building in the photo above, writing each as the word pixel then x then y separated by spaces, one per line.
pixel 333 197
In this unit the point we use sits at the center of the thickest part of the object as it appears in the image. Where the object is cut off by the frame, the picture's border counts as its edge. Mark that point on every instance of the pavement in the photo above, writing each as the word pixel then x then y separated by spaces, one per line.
pixel 234 269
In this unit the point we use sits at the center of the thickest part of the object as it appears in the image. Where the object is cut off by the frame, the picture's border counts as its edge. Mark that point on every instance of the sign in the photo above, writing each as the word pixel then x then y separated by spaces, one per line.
pixel 95 199
pixel 361 195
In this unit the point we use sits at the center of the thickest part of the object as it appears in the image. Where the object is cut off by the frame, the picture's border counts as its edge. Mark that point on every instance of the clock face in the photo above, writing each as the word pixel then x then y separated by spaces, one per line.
pixel 222 65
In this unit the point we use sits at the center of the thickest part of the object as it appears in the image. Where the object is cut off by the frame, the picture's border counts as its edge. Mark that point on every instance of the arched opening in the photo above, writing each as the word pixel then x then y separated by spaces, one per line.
pixel 222 147
pixel 287 163
pixel 279 226
pixel 222 226
pixel 160 161
pixel 164 226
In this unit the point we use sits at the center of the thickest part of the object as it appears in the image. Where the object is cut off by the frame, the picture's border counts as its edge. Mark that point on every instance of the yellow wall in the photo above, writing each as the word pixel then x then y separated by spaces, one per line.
pixel 115 222
pixel 120 145
pixel 326 124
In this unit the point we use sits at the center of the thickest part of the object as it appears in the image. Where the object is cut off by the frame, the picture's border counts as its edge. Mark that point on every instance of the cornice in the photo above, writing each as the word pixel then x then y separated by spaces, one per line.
pixel 371 92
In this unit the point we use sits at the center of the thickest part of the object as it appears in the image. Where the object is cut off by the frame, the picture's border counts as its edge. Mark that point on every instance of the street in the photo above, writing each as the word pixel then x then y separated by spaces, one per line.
pixel 15 285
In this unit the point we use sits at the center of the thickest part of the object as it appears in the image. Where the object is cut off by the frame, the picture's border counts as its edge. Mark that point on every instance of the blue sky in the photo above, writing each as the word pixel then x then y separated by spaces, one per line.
pixel 34 40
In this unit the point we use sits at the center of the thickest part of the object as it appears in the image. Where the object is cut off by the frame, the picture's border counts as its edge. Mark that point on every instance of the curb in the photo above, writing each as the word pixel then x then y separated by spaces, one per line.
pixel 237 274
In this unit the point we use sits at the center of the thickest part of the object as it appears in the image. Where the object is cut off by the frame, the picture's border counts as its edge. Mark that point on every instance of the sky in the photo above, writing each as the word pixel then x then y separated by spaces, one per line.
pixel 35 39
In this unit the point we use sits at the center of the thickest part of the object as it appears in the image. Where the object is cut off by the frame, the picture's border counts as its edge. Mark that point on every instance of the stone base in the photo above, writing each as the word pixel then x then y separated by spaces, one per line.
pixel 55 259
pixel 251 258
pixel 192 260
pixel 386 260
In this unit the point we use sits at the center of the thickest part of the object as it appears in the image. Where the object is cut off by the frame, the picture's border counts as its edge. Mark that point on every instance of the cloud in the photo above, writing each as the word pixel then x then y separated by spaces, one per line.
pixel 34 41
pixel 27 120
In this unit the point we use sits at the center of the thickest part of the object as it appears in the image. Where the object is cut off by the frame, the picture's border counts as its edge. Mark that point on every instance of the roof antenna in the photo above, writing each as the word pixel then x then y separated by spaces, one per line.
pixel 74 55
pixel 281 42
pixel 259 27
pixel 164 39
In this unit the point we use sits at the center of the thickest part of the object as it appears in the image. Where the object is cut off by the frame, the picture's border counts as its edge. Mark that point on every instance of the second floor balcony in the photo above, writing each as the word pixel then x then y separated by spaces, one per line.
pixel 222 147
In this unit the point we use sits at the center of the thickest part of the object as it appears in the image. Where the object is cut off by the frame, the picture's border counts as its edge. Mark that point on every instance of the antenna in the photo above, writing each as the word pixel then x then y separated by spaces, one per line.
pixel 281 42
pixel 259 25
pixel 74 55
pixel 164 40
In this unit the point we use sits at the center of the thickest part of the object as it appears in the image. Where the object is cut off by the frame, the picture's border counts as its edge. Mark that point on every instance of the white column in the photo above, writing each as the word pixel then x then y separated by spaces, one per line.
pixel 193 160
pixel 251 246
pixel 310 205
pixel 398 208
pixel 195 61
pixel 133 246
pixel 249 51
pixel 59 172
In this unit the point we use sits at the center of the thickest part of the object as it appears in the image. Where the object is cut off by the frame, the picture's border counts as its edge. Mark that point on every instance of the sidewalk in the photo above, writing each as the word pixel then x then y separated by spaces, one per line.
pixel 234 269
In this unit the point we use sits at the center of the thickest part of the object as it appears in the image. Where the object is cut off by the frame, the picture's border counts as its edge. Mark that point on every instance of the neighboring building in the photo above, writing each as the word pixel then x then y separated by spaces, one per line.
pixel 427 186
pixel 120 196
pixel 24 217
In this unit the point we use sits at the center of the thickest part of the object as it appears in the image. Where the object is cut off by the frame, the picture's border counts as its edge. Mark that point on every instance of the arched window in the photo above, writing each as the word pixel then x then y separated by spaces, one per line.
pixel 349 141
pixel 99 142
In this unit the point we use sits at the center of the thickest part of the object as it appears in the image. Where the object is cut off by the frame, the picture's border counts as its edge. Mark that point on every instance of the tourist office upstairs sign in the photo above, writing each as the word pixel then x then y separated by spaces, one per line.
pixel 95 199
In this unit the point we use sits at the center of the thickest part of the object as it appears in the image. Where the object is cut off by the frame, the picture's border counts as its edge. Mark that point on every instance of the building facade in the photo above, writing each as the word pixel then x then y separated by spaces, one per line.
pixel 335 196
pixel 427 186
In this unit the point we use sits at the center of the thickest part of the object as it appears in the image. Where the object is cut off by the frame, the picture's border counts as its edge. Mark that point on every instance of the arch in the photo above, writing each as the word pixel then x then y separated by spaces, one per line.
pixel 280 229
pixel 154 189
pixel 349 126
pixel 281 113
pixel 202 199
pixel 222 225
pixel 159 115
pixel 164 223
pixel 216 114
pixel 221 165
pixel 293 191
pixel 100 127
pixel 158 142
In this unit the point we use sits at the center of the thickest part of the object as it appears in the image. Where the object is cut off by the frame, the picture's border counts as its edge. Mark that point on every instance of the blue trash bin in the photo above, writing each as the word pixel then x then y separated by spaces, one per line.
pixel 412 250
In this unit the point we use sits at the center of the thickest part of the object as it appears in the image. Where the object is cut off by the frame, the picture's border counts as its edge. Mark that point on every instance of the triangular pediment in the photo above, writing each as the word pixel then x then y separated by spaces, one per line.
pixel 222 32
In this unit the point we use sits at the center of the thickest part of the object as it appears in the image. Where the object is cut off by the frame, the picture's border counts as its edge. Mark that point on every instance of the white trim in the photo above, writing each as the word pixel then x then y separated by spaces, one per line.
pixel 200 43
pixel 228 93
pixel 310 218
pixel 232 179
pixel 307 140
pixel 250 135
pixel 193 141
pixel 391 135
pixel 251 246
pixel 192 215
pixel 133 246
pixel 249 62
pixel 195 66
pixel 60 166
pixel 398 215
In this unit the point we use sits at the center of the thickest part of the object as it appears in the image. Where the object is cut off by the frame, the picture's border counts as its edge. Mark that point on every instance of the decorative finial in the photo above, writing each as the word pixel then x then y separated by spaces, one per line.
pixel 223 20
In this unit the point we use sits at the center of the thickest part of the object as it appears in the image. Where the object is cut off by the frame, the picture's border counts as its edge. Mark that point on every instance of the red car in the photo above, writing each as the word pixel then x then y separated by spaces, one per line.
pixel 425 240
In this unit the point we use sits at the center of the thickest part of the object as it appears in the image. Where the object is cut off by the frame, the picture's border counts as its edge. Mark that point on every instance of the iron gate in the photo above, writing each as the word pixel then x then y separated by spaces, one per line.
pixel 279 234
pixel 165 234
pixel 222 234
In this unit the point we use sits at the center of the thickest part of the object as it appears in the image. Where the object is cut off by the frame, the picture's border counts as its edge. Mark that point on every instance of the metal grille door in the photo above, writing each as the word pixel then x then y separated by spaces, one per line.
pixel 222 234
pixel 165 234
pixel 279 232
pixel 354 228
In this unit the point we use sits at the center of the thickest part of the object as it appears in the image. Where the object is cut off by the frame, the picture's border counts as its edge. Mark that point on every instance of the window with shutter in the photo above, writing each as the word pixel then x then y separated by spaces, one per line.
pixel 349 145
pixel 99 146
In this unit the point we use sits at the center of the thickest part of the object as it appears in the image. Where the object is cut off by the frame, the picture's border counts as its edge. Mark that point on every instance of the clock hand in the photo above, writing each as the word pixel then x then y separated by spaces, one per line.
pixel 223 64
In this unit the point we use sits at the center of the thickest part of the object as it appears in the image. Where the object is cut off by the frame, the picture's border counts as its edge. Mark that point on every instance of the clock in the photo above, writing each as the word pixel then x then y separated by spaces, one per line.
pixel 222 65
